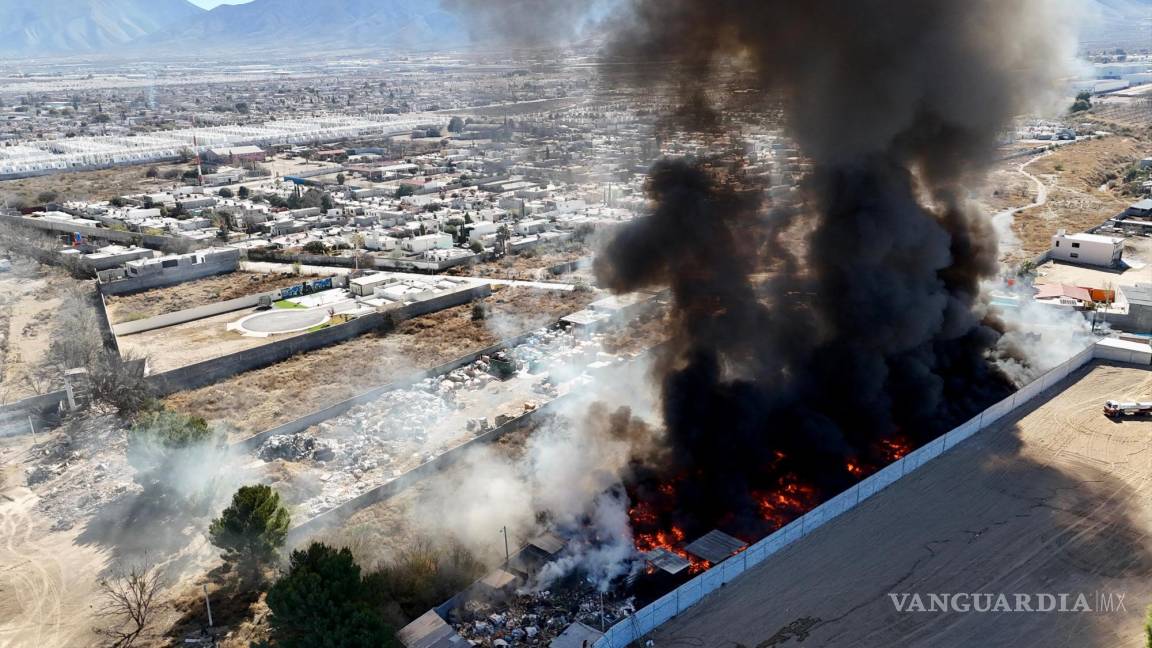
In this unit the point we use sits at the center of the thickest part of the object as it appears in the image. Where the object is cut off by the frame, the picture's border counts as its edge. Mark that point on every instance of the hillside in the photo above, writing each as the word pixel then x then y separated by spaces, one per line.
pixel 396 23
pixel 40 27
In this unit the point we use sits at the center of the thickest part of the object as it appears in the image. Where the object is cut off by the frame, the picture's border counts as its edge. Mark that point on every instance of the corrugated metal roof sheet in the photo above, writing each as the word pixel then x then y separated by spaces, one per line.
pixel 666 560
pixel 715 546
pixel 576 635
pixel 430 631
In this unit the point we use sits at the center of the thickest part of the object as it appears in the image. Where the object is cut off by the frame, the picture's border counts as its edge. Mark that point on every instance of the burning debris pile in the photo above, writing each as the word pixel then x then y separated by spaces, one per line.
pixel 779 393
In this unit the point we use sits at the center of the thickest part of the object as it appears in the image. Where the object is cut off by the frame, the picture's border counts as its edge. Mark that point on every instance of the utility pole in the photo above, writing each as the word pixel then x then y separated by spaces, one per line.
pixel 208 604
pixel 507 554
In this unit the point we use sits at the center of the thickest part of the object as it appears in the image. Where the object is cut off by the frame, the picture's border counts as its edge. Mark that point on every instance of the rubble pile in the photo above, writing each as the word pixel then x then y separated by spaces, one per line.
pixel 375 442
pixel 556 348
pixel 297 447
pixel 77 472
pixel 534 619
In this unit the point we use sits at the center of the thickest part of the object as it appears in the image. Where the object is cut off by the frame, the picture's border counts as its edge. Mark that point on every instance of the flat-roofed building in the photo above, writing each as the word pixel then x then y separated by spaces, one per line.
pixel 1088 249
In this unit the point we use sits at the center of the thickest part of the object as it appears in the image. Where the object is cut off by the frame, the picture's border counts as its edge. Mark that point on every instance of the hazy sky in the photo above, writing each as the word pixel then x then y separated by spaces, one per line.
pixel 208 4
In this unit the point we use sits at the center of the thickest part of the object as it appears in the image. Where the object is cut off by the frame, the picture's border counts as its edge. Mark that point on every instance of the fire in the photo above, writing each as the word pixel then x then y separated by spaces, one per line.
pixel 854 469
pixel 893 449
pixel 660 540
pixel 791 500
pixel 644 516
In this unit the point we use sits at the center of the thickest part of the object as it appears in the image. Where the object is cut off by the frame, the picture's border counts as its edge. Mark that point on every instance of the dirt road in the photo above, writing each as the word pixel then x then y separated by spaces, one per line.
pixel 1004 221
pixel 1054 500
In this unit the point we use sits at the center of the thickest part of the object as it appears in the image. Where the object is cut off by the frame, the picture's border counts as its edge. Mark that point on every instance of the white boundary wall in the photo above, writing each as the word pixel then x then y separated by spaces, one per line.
pixel 660 611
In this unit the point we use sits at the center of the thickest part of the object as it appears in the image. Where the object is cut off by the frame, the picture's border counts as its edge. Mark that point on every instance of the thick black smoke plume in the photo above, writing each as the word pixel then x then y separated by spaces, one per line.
pixel 871 340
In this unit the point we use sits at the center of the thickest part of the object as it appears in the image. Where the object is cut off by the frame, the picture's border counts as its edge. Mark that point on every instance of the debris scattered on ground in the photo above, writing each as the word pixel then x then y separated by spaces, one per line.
pixel 80 469
pixel 535 619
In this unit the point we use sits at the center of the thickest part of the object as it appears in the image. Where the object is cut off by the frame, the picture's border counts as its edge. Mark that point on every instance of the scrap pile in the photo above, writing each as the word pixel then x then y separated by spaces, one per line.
pixel 535 619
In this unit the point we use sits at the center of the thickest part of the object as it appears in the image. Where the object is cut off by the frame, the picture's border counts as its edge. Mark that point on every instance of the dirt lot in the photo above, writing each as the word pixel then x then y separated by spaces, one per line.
pixel 1077 196
pixel 188 343
pixel 150 303
pixel 27 307
pixel 1054 500
pixel 257 400
pixel 47 581
pixel 89 185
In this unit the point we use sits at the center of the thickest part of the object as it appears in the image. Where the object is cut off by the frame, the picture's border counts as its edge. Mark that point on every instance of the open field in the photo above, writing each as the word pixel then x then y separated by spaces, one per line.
pixel 258 400
pixel 1078 197
pixel 29 297
pixel 90 185
pixel 160 301
pixel 1054 499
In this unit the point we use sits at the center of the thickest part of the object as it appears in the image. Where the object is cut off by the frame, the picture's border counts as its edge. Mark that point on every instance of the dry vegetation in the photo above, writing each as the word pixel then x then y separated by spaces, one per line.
pixel 89 185
pixel 1083 181
pixel 160 301
pixel 527 265
pixel 257 400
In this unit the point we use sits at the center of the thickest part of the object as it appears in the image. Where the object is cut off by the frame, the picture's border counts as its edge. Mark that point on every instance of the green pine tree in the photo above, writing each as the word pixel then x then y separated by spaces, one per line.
pixel 322 602
pixel 252 529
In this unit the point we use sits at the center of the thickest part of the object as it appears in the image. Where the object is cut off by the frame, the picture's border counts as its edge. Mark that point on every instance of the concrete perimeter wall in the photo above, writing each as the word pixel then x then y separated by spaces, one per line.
pixel 169 277
pixel 145 240
pixel 674 603
pixel 191 314
pixel 212 371
pixel 40 410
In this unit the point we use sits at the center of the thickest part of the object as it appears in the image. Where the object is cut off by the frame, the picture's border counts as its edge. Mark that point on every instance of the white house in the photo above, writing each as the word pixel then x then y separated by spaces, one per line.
pixel 480 230
pixel 1089 249
pixel 418 244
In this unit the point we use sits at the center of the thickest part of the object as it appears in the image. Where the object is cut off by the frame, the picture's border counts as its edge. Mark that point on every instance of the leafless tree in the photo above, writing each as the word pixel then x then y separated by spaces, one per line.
pixel 129 603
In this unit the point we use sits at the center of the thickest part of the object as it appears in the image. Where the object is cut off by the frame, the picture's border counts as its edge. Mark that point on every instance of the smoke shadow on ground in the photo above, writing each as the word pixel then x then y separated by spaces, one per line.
pixel 146 527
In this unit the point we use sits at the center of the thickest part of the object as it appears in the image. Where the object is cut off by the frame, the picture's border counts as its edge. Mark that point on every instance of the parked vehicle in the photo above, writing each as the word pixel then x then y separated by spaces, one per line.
pixel 1116 409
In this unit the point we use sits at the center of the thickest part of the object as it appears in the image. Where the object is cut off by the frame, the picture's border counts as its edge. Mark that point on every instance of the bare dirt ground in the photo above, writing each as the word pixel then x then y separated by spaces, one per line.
pixel 261 399
pixel 29 297
pixel 1076 176
pixel 70 514
pixel 1053 500
pixel 90 185
pixel 209 290
pixel 47 581
pixel 191 342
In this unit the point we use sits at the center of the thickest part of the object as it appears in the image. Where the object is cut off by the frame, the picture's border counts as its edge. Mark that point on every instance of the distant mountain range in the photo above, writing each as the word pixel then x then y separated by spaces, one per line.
pixel 51 27
pixel 34 27
pixel 399 23
pixel 1118 23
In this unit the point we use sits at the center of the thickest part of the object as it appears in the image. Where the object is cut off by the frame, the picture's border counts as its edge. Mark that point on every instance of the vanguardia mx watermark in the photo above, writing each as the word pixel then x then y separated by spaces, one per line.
pixel 984 602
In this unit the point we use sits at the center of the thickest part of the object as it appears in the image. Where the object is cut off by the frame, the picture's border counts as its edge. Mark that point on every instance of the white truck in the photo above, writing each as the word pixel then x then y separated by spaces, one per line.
pixel 1117 409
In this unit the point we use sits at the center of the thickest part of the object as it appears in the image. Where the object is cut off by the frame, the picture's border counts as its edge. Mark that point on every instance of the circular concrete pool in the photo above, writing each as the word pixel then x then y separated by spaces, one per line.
pixel 275 322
